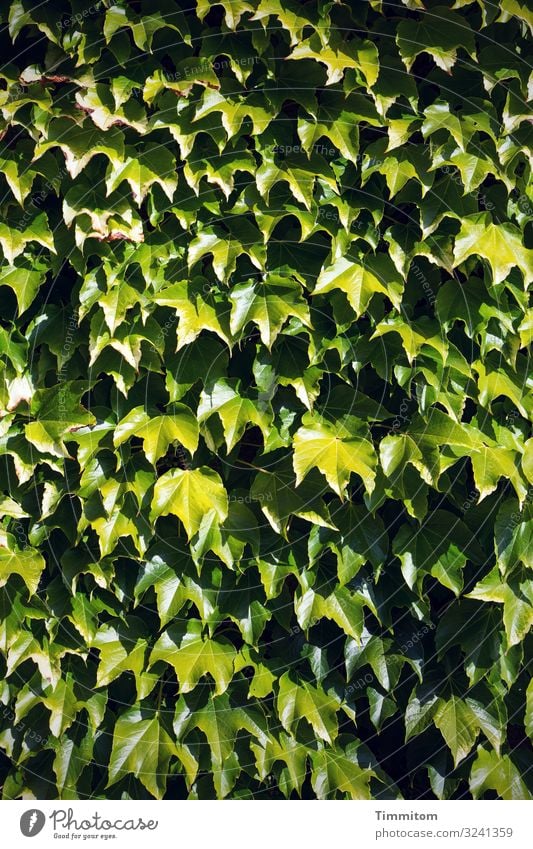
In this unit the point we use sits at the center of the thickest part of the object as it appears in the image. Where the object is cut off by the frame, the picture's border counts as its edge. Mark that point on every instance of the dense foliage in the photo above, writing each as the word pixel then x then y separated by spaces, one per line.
pixel 267 474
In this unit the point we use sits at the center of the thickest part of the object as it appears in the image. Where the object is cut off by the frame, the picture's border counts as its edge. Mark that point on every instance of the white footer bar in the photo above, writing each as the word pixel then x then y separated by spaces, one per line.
pixel 266 824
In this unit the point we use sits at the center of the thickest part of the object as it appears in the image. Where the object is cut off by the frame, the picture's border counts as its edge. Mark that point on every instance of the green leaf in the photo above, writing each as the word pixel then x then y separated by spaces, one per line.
pixel 158 432
pixel 80 144
pixel 69 762
pixel 335 122
pixel 155 165
pixel 84 617
pixel 221 721
pixel 338 771
pixel 297 701
pixel 490 772
pixel 439 33
pixel 357 54
pixel 265 400
pixel 27 563
pixel 360 282
pixel 25 283
pixel 57 414
pixel 334 452
pixel 457 723
pixel 143 27
pixel 193 657
pixel 346 610
pixel 170 591
pixel 236 413
pixel 122 651
pixel 516 596
pixel 14 240
pixel 233 10
pixel 440 547
pixel 190 494
pixel 420 711
pixel 196 312
pixel 268 305
pixel 279 499
pixel 141 747
pixel 63 705
pixel 513 531
pixel 376 652
pixel 500 244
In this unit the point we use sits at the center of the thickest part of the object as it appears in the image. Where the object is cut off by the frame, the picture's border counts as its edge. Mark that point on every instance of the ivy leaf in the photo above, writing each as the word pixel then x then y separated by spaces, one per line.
pixel 490 772
pixel 440 547
pixel 295 255
pixel 512 537
pixel 399 166
pixel 335 452
pixel 335 122
pixel 439 33
pixel 141 747
pixel 296 701
pixel 190 494
pixel 196 312
pixel 80 144
pixel 155 165
pixel 224 249
pixel 414 336
pixel 200 362
pixel 492 463
pixel 193 657
pixel 25 283
pixel 268 304
pixel 119 523
pixel 234 112
pixel 357 54
pixel 518 9
pixel 14 240
pixel 122 650
pixel 420 710
pixel 233 11
pixel 221 721
pixel 27 563
pixel 279 500
pixel 376 652
pixel 115 304
pixel 63 705
pixel 457 723
pixel 84 617
pixel 170 591
pixel 360 282
pixel 492 383
pixel 346 610
pixel 337 771
pixel 143 27
pixel 515 595
pixel 69 762
pixel 381 707
pixel 19 177
pixel 190 72
pixel 57 413
pixel 500 244
pixel 235 412
pixel 158 432
pixel 476 630
pixel 361 538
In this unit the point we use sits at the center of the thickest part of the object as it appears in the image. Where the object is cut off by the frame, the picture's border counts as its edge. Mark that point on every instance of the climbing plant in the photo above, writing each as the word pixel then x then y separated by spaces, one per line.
pixel 266 473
